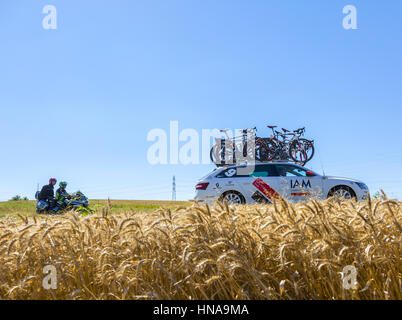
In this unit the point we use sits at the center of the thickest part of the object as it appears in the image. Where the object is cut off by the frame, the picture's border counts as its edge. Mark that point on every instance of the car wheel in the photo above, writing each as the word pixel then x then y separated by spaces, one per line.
pixel 342 192
pixel 233 197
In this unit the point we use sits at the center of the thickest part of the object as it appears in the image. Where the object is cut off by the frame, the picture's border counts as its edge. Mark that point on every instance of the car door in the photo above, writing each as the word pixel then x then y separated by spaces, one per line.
pixel 227 180
pixel 296 183
pixel 260 184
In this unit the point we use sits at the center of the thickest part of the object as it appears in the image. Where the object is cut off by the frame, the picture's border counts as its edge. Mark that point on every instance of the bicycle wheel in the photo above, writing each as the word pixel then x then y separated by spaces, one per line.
pixel 301 150
pixel 220 157
pixel 214 154
pixel 267 149
pixel 250 151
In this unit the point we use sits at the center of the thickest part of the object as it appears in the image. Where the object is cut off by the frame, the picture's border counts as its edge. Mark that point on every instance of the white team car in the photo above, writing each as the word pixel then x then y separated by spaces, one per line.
pixel 263 182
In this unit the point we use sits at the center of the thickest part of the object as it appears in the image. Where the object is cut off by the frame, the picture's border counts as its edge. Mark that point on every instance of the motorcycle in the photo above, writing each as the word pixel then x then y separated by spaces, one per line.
pixel 78 202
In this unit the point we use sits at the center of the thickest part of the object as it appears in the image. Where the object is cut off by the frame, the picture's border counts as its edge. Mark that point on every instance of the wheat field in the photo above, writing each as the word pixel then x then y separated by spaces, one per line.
pixel 279 251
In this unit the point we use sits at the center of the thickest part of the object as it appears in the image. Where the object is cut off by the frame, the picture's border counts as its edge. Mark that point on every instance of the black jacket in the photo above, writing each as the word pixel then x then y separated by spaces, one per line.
pixel 47 193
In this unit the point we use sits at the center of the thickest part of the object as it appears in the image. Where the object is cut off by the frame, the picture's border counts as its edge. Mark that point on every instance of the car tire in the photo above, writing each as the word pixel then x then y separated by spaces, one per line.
pixel 232 197
pixel 342 192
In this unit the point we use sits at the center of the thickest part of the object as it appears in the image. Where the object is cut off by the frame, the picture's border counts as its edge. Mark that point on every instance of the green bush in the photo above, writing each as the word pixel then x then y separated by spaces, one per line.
pixel 18 198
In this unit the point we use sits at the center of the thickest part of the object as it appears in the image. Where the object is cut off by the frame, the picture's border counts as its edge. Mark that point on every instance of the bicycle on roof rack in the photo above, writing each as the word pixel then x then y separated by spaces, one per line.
pixel 280 146
pixel 288 146
pixel 226 151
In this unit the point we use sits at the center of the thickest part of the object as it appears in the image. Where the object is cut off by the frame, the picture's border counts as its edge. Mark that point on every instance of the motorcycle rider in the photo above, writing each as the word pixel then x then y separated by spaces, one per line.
pixel 47 193
pixel 62 195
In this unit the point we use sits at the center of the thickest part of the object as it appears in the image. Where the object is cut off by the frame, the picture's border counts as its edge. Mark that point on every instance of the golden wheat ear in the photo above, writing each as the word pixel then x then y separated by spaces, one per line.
pixel 265 251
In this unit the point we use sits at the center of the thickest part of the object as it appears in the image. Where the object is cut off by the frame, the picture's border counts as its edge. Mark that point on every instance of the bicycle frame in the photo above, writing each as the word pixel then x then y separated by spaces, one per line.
pixel 283 143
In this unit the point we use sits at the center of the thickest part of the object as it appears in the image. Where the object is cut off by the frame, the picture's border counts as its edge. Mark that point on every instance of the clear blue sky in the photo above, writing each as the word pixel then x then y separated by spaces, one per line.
pixel 77 103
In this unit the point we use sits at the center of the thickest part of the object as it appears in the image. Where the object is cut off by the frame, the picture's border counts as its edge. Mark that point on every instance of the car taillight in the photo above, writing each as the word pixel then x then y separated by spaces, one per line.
pixel 202 186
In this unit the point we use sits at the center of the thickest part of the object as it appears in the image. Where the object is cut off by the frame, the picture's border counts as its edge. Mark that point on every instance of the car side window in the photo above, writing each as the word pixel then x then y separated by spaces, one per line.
pixel 228 173
pixel 257 171
pixel 264 171
pixel 290 171
pixel 231 173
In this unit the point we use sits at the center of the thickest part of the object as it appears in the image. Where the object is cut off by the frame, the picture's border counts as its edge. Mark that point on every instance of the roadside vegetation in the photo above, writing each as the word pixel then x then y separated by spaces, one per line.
pixel 280 251
pixel 27 208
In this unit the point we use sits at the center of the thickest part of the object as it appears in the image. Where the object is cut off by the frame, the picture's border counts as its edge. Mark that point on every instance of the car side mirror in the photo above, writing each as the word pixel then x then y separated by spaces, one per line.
pixel 310 174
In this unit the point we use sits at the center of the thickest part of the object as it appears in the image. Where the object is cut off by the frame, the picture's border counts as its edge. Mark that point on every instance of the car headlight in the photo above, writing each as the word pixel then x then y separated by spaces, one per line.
pixel 362 185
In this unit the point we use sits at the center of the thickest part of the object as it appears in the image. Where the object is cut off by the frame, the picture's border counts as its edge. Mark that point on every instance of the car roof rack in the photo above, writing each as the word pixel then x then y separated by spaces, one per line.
pixel 256 162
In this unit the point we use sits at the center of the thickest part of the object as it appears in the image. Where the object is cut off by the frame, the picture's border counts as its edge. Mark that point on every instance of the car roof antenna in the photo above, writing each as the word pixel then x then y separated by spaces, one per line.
pixel 322 166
